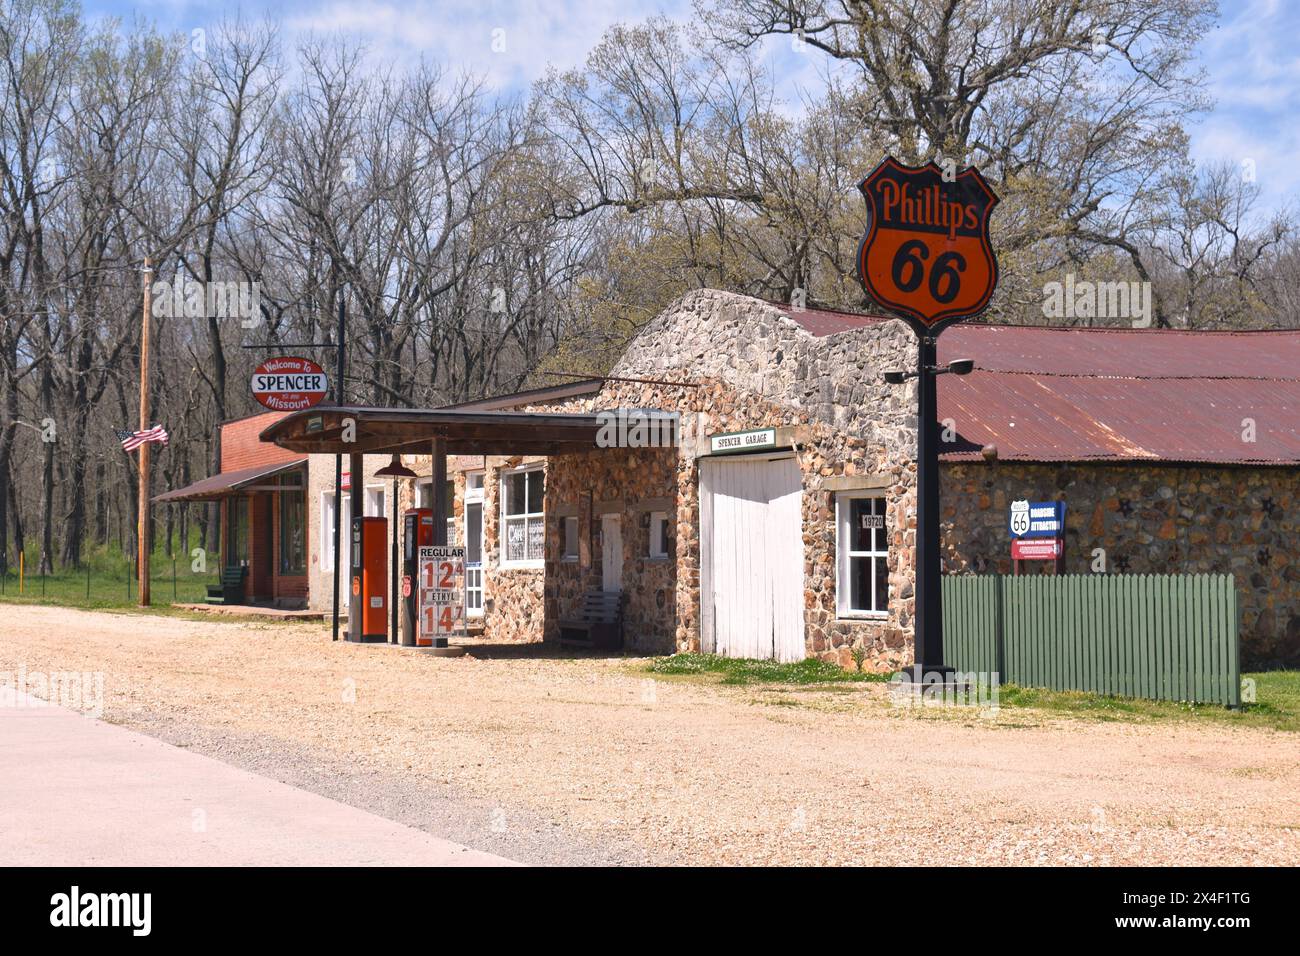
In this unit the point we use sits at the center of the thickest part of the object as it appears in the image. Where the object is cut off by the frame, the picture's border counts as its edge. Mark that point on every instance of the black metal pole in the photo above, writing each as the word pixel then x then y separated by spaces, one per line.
pixel 393 595
pixel 338 467
pixel 929 600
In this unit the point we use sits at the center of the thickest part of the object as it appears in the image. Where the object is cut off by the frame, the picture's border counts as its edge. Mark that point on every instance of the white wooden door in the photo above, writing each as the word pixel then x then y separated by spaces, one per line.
pixel 611 552
pixel 752 558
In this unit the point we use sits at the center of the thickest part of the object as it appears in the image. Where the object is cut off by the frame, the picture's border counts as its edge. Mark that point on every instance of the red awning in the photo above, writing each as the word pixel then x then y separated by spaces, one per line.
pixel 227 483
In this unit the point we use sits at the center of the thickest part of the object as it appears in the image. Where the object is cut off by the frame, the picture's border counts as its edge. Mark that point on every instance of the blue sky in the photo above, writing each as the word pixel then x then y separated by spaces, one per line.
pixel 1251 59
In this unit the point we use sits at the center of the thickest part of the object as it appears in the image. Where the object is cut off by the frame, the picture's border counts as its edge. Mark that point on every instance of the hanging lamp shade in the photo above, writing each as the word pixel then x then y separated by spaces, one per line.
pixel 395 469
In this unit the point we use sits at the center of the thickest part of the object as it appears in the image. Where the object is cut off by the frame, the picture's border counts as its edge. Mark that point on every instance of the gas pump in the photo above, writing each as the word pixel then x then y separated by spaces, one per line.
pixel 369 580
pixel 417 531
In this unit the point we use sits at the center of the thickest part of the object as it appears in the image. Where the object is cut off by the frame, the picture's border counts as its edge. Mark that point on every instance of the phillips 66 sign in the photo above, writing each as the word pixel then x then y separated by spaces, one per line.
pixel 926 253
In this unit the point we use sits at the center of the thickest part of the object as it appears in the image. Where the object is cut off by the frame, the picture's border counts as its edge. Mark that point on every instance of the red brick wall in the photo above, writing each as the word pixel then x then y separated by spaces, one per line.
pixel 241 449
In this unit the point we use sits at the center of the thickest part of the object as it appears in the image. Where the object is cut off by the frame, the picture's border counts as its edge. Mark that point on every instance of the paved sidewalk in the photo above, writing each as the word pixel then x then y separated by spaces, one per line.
pixel 79 792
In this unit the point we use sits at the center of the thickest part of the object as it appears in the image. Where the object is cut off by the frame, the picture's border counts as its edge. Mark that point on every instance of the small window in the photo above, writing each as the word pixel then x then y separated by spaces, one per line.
pixel 862 565
pixel 568 539
pixel 374 502
pixel 658 534
pixel 522 493
pixel 473 481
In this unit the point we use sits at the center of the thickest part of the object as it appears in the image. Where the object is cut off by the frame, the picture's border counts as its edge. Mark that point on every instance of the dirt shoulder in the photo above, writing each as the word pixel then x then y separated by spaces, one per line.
pixel 590 761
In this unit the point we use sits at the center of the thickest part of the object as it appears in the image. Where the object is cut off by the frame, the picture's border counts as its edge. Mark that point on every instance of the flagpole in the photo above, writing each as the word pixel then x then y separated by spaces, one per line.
pixel 142 528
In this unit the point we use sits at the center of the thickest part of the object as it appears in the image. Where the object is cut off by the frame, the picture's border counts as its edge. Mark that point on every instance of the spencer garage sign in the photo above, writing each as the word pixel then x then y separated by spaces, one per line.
pixel 289 383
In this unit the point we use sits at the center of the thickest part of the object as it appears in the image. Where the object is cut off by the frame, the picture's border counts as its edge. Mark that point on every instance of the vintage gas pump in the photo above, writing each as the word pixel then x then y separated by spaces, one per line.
pixel 369 579
pixel 417 530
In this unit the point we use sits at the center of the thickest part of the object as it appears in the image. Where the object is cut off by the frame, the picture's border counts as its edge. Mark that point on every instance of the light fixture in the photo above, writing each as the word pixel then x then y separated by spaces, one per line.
pixel 395 469
pixel 956 367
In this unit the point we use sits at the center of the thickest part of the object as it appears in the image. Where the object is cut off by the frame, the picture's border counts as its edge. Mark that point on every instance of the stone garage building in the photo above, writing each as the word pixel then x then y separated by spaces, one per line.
pixel 1174 451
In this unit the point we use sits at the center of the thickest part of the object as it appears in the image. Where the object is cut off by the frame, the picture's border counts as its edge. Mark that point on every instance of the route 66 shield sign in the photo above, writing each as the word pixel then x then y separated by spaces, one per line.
pixel 926 254
pixel 1019 518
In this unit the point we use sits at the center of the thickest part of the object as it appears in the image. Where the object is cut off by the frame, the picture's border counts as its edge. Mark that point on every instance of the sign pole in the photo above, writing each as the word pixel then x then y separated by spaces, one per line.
pixel 929 593
pixel 142 524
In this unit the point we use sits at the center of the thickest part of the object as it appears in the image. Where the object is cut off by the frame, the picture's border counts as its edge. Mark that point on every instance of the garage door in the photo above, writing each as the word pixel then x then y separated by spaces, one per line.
pixel 751 550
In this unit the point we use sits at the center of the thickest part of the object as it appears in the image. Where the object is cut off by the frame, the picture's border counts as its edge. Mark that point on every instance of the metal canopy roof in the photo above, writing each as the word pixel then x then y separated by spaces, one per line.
pixel 386 431
pixel 227 482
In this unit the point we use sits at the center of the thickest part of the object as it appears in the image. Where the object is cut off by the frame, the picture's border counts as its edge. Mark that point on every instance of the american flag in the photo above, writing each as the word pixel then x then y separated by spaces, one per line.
pixel 133 440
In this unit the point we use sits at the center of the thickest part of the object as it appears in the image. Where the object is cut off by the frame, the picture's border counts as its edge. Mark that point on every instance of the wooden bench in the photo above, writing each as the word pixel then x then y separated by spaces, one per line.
pixel 598 623
pixel 231 588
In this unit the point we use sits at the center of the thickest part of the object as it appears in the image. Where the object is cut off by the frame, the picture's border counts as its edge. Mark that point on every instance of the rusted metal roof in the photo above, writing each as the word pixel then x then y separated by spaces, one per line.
pixel 1043 394
pixel 1082 394
pixel 1125 353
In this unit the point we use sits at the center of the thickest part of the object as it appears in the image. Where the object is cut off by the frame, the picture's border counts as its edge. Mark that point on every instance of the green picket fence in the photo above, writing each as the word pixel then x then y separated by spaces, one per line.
pixel 1158 636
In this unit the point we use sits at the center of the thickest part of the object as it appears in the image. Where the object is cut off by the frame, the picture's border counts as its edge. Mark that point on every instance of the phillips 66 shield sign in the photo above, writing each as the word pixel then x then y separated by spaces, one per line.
pixel 926 254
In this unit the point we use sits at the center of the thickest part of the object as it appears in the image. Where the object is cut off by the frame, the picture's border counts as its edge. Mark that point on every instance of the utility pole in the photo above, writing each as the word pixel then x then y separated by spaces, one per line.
pixel 142 527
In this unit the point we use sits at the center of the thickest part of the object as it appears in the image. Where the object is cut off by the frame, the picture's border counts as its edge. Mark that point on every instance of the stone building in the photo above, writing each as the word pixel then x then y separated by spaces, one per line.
pixel 1174 452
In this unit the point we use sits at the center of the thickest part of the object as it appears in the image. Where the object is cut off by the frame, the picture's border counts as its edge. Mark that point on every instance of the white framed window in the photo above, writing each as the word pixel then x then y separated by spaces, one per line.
pixel 327 504
pixel 658 535
pixel 569 539
pixel 473 484
pixel 862 555
pixel 523 533
pixel 375 501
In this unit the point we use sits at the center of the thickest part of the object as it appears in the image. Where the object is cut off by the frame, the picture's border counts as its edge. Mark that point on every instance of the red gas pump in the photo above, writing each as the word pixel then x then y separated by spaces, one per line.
pixel 417 532
pixel 369 580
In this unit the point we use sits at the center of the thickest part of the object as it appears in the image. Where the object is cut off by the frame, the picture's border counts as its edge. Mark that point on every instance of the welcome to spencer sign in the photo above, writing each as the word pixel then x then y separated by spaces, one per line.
pixel 289 383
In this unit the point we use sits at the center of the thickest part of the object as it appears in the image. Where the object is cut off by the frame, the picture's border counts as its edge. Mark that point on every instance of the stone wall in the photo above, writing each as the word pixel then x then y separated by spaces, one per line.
pixel 1148 520
pixel 752 367
pixel 630 483
pixel 828 457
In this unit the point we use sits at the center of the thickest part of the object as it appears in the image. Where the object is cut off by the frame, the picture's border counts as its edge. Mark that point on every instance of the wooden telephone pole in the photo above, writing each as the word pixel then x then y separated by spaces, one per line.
pixel 142 528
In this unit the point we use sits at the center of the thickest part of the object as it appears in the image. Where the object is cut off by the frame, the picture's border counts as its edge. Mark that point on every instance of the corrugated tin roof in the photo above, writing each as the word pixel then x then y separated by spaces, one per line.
pixel 1082 394
pixel 1045 394
pixel 1126 353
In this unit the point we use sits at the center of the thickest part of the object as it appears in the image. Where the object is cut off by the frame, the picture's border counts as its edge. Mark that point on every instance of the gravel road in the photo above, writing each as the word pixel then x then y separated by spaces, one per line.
pixel 588 761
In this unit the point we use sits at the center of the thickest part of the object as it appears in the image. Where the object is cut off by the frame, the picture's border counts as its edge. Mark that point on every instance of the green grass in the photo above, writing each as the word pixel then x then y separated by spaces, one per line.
pixel 107 587
pixel 1277 704
pixel 734 670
